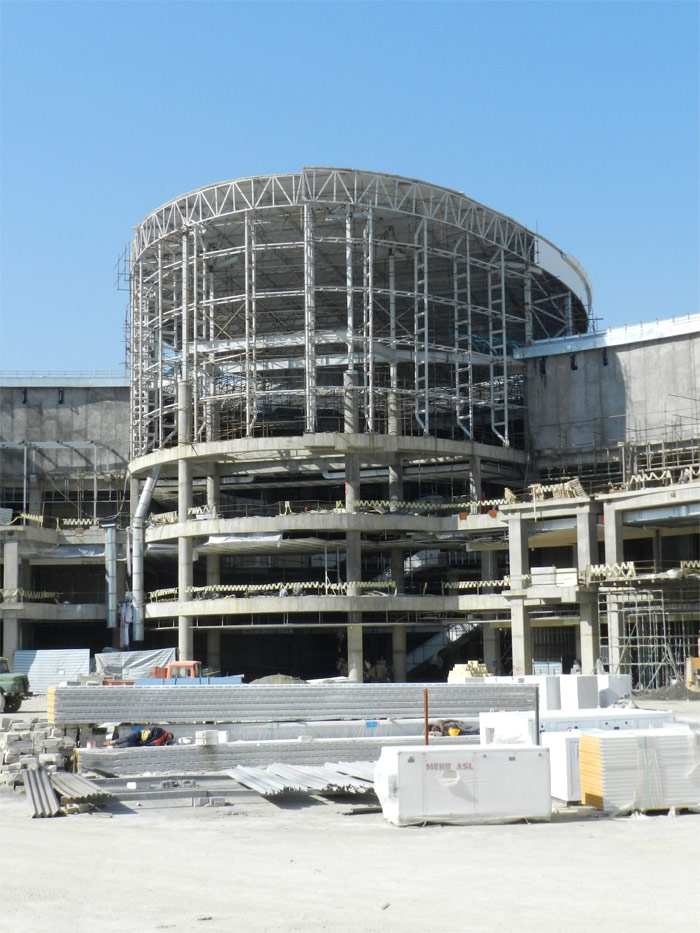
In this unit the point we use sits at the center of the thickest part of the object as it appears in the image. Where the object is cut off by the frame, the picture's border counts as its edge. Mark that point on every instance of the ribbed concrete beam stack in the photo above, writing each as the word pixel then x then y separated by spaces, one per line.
pixel 281 703
pixel 197 759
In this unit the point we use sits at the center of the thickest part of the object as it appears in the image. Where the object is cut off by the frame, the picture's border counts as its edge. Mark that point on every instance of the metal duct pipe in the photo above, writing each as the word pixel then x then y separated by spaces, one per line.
pixel 111 574
pixel 138 540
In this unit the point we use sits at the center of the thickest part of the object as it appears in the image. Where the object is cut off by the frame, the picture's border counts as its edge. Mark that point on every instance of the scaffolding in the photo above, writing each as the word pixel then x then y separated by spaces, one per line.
pixel 650 630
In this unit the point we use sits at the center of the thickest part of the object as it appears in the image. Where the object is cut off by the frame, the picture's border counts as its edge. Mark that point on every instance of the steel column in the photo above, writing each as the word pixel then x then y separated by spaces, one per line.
pixel 309 318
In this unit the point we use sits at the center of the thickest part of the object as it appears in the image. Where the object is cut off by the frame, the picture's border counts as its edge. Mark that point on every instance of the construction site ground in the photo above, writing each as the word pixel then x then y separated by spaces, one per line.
pixel 306 865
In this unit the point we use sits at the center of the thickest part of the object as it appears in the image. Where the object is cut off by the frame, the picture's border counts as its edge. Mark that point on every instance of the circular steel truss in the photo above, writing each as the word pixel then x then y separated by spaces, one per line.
pixel 334 299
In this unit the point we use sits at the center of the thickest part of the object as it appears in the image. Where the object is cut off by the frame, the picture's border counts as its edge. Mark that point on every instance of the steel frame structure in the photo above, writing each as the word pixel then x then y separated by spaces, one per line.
pixel 262 293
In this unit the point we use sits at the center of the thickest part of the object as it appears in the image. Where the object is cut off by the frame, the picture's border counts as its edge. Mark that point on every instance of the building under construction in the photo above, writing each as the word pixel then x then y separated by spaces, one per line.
pixel 373 429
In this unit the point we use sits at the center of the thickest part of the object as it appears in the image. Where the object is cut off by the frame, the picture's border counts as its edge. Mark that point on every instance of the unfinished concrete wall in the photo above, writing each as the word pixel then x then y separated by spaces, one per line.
pixel 595 398
pixel 57 421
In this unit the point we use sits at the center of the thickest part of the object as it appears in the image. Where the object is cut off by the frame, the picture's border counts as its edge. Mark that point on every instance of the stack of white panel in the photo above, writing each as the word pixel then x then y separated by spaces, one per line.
pixel 507 727
pixel 494 784
pixel 642 770
pixel 578 691
pixel 549 692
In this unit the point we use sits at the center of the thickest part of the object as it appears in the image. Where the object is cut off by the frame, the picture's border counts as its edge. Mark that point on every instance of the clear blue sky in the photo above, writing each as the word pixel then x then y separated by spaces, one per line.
pixel 578 117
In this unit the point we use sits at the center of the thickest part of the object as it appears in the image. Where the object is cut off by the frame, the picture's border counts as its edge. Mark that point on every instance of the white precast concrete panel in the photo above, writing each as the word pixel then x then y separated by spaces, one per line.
pixel 578 691
pixel 548 685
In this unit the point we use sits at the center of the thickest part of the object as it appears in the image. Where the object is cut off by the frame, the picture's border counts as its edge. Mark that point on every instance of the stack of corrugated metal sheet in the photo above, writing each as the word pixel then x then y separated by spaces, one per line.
pixel 317 779
pixel 47 668
pixel 641 770
pixel 73 788
pixel 197 759
pixel 40 794
pixel 280 703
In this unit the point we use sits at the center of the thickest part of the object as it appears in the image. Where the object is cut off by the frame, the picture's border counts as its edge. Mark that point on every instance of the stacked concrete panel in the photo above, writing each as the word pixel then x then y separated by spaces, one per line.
pixel 279 703
pixel 197 759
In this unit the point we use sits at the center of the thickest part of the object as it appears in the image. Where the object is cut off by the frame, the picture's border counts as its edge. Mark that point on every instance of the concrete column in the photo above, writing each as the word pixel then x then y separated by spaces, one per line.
pixel 397 569
pixel 352 419
pixel 475 480
pixel 397 555
pixel 213 487
pixel 614 635
pixel 134 493
pixel 657 551
pixel 10 624
pixel 353 552
pixel 521 634
pixel 35 495
pixel 489 565
pixel 518 552
pixel 589 630
pixel 352 481
pixel 214 649
pixel 395 484
pixel 214 635
pixel 614 548
pixel 491 648
pixel 491 636
pixel 586 538
pixel 25 574
pixel 398 648
pixel 10 637
pixel 185 570
pixel 355 656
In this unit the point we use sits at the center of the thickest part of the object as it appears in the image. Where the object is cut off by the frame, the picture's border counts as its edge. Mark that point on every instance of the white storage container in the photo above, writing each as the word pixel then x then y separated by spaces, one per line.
pixel 578 691
pixel 476 784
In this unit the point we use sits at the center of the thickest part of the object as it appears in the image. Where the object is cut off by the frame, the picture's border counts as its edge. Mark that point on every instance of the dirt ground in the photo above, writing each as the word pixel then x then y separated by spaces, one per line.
pixel 307 866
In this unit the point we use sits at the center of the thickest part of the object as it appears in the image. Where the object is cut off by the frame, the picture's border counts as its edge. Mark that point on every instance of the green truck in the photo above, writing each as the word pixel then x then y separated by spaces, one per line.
pixel 13 688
